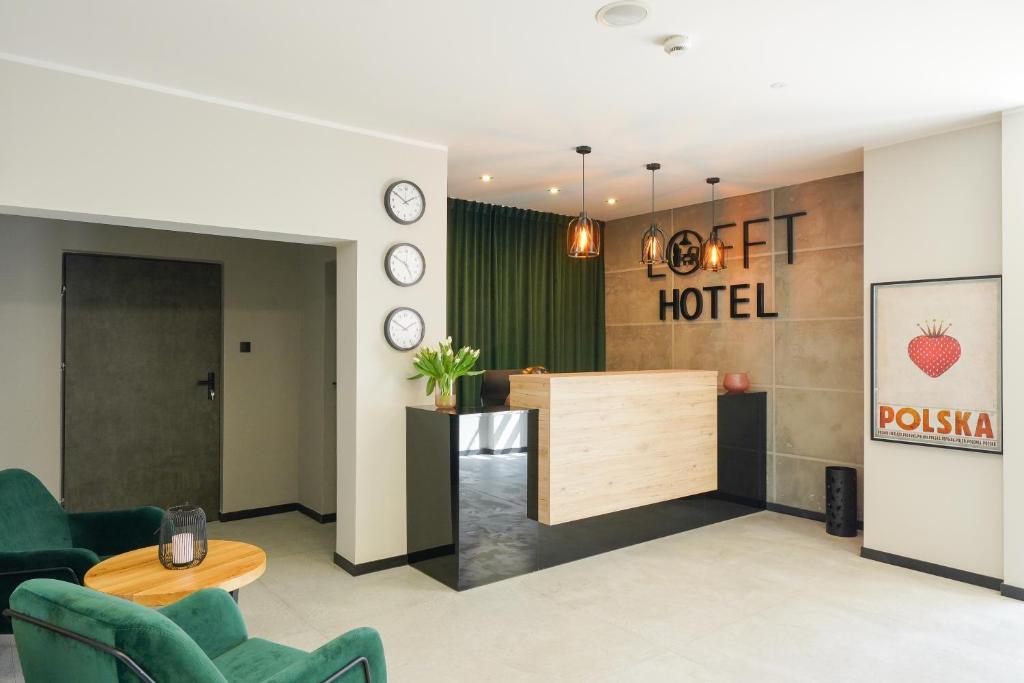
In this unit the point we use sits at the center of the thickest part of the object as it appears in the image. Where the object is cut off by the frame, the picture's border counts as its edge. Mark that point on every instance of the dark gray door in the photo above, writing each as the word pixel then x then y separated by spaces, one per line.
pixel 139 334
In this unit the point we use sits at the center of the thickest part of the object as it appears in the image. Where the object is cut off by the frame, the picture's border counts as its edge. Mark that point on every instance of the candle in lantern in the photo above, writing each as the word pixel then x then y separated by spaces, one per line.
pixel 182 548
pixel 182 537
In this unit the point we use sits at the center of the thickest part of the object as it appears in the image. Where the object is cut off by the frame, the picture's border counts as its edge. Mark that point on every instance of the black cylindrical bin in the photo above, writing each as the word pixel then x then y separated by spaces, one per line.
pixel 841 501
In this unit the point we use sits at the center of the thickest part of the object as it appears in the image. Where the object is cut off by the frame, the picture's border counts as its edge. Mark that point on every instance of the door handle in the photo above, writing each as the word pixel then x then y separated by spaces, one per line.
pixel 211 385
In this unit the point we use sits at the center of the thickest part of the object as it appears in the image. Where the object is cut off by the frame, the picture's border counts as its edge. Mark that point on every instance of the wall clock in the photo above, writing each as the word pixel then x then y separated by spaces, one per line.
pixel 404 202
pixel 404 264
pixel 404 329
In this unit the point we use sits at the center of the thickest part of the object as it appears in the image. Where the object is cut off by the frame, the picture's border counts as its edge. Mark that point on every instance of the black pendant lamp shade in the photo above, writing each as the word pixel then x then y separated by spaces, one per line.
pixel 652 244
pixel 583 238
pixel 712 252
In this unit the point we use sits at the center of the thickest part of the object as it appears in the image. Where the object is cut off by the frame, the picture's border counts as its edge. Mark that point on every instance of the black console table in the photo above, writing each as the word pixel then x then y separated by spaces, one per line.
pixel 467 512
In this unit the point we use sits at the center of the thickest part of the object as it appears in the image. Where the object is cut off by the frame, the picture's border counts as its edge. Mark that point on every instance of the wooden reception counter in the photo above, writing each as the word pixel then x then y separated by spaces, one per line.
pixel 610 441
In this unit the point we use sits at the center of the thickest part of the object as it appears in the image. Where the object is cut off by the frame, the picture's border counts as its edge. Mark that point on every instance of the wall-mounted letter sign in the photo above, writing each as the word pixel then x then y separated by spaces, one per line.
pixel 690 303
pixel 683 255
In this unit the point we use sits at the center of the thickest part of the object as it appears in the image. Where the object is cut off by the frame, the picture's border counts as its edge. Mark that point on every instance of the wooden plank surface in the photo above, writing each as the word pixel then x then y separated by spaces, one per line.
pixel 138 575
pixel 617 440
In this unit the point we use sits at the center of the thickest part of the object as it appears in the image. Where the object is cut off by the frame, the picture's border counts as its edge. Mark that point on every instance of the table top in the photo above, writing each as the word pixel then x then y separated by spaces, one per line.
pixel 138 575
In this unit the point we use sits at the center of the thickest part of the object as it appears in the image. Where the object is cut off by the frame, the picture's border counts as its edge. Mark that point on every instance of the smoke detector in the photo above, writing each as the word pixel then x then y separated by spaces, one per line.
pixel 677 45
pixel 622 13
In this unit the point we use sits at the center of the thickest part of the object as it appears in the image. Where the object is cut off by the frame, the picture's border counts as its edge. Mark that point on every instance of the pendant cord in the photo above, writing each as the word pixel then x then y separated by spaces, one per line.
pixel 652 196
pixel 714 230
pixel 584 157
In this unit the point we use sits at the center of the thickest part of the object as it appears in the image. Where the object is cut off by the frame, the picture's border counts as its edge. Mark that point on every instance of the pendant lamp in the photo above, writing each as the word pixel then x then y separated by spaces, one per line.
pixel 652 244
pixel 712 252
pixel 583 238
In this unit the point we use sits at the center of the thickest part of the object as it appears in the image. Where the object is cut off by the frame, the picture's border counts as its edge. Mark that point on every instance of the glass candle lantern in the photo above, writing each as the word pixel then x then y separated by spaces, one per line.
pixel 183 541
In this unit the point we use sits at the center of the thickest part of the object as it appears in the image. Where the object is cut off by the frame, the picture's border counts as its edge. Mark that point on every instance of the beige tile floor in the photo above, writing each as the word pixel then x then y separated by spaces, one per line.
pixel 761 598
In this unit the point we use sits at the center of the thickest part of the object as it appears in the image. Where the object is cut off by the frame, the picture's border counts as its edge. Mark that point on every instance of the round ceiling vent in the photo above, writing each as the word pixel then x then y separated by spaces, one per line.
pixel 622 13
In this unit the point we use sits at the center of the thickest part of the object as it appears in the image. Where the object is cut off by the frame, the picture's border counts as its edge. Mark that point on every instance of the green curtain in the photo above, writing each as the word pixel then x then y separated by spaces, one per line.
pixel 514 294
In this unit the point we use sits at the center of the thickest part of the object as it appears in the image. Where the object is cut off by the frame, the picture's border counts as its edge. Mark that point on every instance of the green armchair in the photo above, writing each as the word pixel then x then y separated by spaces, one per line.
pixel 38 539
pixel 65 632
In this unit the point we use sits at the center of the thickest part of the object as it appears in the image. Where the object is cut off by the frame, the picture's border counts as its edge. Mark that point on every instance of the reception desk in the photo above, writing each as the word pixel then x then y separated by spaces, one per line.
pixel 610 441
pixel 472 514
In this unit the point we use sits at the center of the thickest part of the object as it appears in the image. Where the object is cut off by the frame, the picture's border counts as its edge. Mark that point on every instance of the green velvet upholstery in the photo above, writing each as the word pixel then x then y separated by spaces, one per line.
pixel 31 519
pixel 38 539
pixel 113 532
pixel 201 639
pixel 258 660
pixel 156 643
pixel 211 619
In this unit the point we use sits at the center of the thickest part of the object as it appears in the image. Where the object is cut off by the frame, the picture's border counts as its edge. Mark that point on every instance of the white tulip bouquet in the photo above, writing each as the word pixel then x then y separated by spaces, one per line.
pixel 442 366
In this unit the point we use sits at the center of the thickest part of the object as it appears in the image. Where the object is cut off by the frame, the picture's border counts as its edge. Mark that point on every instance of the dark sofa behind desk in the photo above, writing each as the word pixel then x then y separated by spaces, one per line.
pixel 467 513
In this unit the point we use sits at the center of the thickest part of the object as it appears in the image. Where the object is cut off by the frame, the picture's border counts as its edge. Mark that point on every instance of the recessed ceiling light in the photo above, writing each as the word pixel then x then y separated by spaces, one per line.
pixel 610 200
pixel 486 178
pixel 622 13
pixel 777 84
pixel 552 190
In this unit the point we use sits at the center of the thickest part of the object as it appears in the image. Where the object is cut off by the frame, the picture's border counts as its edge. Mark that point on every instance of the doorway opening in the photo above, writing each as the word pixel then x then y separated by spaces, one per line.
pixel 103 433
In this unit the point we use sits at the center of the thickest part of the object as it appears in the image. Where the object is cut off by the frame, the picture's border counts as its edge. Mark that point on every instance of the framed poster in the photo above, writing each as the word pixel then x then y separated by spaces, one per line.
pixel 936 363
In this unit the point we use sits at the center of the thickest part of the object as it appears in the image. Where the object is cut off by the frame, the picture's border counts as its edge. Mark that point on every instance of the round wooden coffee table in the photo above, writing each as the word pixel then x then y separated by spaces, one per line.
pixel 138 576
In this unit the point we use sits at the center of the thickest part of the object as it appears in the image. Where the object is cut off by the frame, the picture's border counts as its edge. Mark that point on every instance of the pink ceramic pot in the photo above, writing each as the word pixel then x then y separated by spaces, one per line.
pixel 736 382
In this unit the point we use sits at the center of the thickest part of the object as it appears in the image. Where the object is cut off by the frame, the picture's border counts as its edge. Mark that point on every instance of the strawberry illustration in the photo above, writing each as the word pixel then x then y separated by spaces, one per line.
pixel 934 351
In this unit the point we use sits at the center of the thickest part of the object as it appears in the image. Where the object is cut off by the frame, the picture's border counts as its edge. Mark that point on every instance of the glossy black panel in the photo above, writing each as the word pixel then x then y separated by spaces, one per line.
pixel 496 538
pixel 742 420
pixel 742 445
pixel 491 535
pixel 430 493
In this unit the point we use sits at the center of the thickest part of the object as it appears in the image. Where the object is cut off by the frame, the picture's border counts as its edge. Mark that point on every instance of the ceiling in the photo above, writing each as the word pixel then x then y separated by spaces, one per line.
pixel 512 86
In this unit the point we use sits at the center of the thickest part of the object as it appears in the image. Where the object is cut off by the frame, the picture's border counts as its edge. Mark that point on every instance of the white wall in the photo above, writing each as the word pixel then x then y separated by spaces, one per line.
pixel 1013 338
pixel 932 208
pixel 316 490
pixel 261 390
pixel 81 147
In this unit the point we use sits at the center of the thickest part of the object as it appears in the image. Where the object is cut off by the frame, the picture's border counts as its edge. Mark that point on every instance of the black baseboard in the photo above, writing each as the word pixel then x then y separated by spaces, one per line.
pixel 258 512
pixel 276 510
pixel 1011 591
pixel 316 516
pixel 806 514
pixel 935 569
pixel 797 512
pixel 368 567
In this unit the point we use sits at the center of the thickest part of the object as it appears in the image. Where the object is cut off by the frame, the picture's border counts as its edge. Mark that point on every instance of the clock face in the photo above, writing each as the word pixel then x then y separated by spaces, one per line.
pixel 404 202
pixel 404 264
pixel 404 329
